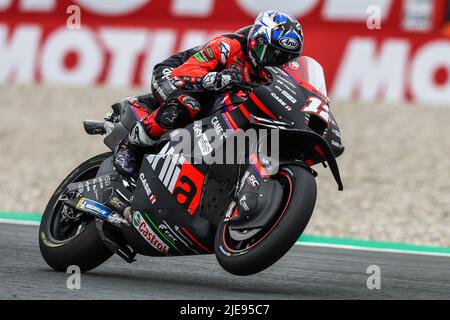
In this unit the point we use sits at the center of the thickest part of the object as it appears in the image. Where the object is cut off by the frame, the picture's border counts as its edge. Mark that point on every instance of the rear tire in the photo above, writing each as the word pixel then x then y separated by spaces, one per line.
pixel 285 232
pixel 85 249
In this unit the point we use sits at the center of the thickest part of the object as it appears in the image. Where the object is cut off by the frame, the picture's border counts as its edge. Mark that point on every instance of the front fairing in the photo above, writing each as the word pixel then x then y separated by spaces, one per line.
pixel 292 100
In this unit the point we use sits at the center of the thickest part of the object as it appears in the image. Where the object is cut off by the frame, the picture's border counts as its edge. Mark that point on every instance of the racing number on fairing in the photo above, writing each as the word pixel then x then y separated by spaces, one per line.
pixel 317 107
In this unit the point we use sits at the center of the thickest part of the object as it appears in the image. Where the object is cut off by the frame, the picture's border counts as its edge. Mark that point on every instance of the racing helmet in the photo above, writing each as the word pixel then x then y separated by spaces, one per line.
pixel 275 39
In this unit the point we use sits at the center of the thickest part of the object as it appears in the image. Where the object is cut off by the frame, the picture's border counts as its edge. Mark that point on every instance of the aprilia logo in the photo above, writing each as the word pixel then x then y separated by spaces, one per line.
pixel 180 177
pixel 170 169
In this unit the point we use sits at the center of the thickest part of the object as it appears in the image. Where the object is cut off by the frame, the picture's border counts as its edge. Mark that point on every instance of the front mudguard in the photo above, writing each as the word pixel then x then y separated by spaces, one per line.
pixel 258 200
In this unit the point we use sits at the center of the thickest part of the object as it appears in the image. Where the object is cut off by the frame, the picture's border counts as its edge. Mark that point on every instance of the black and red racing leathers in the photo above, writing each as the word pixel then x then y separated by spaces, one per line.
pixel 181 84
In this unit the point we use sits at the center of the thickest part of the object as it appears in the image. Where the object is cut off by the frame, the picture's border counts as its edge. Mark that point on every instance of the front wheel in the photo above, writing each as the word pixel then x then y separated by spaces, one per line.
pixel 69 237
pixel 268 245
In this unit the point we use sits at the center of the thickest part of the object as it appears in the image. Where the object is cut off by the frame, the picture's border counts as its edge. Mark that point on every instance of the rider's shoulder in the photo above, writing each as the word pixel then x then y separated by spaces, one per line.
pixel 233 41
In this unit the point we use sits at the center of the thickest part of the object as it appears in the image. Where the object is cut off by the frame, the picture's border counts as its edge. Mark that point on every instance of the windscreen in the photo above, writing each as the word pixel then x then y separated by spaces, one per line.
pixel 312 72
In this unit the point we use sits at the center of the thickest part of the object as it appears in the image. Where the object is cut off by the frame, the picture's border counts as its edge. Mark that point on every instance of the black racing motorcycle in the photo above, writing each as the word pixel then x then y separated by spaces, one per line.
pixel 248 213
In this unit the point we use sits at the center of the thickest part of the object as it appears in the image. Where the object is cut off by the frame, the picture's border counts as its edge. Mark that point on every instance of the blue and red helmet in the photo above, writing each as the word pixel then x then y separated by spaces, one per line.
pixel 275 39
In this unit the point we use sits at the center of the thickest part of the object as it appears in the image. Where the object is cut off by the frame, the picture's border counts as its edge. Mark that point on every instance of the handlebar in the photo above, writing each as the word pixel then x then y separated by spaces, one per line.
pixel 246 86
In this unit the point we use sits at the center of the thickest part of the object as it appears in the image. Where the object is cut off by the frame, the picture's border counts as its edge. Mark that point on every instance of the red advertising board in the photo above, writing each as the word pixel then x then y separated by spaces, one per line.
pixel 117 42
pixel 218 13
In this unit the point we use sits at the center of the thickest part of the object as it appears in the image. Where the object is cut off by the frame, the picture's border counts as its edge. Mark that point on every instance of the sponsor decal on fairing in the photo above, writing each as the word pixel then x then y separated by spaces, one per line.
pixel 253 181
pixel 221 133
pixel 148 191
pixel 179 176
pixel 94 207
pixel 148 234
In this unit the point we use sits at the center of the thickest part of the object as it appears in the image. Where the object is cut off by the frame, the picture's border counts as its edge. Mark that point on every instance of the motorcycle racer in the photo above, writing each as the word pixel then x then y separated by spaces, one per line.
pixel 185 85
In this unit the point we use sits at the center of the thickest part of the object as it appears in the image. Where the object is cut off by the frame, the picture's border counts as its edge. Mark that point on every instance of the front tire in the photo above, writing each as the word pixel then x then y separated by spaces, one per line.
pixel 276 240
pixel 74 242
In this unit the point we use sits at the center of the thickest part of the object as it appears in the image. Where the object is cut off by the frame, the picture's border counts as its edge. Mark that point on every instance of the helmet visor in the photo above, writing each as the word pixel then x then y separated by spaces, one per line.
pixel 268 55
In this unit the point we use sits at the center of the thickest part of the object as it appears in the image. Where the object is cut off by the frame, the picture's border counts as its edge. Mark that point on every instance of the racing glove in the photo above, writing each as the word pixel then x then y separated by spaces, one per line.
pixel 219 81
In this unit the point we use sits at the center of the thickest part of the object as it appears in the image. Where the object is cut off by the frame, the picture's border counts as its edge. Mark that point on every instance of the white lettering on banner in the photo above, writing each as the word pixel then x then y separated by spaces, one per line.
pixel 124 57
pixel 427 62
pixel 161 46
pixel 5 4
pixel 37 5
pixel 193 38
pixel 297 8
pixel 351 10
pixel 30 5
pixel 112 7
pixel 418 15
pixel 372 75
pixel 89 57
pixel 18 54
pixel 201 8
pixel 370 69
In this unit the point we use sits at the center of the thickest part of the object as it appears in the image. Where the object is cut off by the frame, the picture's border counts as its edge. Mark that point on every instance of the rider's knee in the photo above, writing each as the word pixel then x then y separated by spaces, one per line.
pixel 148 100
pixel 177 111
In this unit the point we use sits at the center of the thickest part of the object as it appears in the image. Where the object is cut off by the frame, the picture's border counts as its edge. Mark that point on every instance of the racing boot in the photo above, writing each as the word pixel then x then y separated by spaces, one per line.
pixel 143 136
pixel 126 158
pixel 174 113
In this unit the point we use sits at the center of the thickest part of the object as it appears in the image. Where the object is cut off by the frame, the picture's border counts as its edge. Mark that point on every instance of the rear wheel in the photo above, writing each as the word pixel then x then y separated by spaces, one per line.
pixel 269 244
pixel 67 236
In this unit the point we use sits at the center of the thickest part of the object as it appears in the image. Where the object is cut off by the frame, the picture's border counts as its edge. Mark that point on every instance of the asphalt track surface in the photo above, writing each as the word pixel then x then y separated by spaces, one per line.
pixel 304 273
